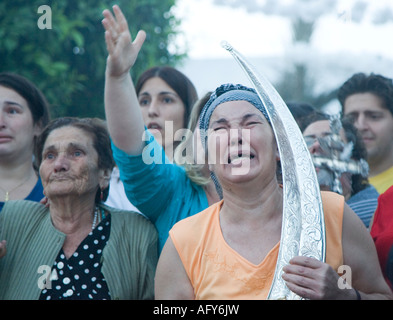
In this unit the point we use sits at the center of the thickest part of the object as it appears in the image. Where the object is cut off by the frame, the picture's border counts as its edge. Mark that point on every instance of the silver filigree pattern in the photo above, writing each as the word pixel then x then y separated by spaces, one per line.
pixel 303 226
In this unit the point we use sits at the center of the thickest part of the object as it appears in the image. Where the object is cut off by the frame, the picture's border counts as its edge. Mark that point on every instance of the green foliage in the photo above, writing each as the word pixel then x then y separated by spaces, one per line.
pixel 67 62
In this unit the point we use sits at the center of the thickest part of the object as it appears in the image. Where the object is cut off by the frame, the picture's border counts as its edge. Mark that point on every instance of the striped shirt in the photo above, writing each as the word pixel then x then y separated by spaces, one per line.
pixel 364 204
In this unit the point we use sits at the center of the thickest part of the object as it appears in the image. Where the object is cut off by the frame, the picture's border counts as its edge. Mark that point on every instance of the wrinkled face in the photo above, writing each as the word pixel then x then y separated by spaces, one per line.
pixel 241 143
pixel 17 130
pixel 161 106
pixel 69 164
pixel 374 122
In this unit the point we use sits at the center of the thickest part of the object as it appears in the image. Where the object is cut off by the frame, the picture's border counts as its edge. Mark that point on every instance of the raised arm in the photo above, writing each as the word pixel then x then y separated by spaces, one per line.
pixel 123 114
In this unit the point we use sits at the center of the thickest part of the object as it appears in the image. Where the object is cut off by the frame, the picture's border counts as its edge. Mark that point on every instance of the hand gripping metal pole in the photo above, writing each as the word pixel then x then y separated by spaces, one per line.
pixel 303 224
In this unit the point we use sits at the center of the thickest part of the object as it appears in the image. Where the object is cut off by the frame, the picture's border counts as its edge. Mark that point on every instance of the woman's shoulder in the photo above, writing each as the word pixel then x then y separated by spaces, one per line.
pixel 22 216
pixel 330 195
pixel 16 208
pixel 131 227
pixel 332 201
pixel 200 220
pixel 333 205
pixel 134 218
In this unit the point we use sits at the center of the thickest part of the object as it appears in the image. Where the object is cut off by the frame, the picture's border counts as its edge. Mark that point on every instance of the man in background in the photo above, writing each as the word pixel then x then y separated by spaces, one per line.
pixel 367 100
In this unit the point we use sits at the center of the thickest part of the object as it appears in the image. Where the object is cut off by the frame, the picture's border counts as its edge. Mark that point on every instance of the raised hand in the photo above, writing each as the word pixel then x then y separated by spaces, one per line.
pixel 122 110
pixel 122 51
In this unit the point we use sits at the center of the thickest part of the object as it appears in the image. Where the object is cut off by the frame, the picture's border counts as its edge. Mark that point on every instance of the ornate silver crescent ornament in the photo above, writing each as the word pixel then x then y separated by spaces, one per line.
pixel 303 226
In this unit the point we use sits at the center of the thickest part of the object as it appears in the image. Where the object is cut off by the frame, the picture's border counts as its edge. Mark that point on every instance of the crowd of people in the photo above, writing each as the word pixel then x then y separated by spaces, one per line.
pixel 121 209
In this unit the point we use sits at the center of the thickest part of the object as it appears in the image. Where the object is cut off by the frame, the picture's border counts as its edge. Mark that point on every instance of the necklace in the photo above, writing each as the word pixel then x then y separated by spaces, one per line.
pixel 95 218
pixel 7 193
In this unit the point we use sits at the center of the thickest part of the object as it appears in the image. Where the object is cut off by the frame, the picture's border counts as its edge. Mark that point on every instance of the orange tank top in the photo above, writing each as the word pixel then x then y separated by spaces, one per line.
pixel 217 272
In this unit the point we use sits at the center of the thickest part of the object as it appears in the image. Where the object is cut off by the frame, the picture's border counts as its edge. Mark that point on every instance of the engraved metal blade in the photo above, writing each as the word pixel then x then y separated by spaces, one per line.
pixel 303 224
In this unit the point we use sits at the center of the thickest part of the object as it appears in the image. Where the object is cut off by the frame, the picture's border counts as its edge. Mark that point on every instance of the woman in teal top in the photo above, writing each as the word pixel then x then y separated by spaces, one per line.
pixel 166 192
pixel 162 192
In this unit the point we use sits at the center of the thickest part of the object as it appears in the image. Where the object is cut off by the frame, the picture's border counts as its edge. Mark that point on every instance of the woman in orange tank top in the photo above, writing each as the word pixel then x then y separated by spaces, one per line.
pixel 229 251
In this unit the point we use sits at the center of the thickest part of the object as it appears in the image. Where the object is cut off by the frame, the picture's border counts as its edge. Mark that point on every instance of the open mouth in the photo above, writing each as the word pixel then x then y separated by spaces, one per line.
pixel 239 157
pixel 154 126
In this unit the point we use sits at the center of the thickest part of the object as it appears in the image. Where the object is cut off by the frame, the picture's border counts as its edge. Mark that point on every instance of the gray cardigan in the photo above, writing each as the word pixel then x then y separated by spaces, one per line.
pixel 128 261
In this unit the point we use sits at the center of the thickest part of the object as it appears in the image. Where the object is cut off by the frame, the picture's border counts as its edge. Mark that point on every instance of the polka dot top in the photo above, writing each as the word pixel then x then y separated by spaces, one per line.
pixel 80 276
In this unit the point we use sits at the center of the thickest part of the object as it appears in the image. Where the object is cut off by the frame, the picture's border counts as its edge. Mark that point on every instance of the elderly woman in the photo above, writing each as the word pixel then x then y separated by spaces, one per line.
pixel 229 251
pixel 77 248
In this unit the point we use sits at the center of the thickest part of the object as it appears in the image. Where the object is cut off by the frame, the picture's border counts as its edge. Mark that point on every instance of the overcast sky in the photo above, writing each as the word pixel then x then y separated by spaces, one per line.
pixel 341 27
pixel 350 36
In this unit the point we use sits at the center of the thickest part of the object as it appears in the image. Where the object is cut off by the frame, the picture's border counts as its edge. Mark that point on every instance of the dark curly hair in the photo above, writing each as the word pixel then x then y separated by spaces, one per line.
pixel 378 85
